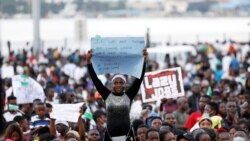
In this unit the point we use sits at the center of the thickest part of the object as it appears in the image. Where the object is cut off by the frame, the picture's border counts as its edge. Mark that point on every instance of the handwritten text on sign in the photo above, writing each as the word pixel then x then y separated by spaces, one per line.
pixel 162 84
pixel 118 55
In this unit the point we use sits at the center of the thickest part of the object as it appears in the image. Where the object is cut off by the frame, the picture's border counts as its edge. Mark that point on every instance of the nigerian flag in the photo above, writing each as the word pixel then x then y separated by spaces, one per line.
pixel 88 114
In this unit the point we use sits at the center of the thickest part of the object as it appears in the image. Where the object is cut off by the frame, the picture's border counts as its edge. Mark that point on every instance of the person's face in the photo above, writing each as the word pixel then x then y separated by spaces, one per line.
pixel 15 136
pixel 205 124
pixel 205 137
pixel 70 97
pixel 90 98
pixel 118 85
pixel 243 127
pixel 40 111
pixel 203 101
pixel 102 119
pixel 169 137
pixel 209 110
pixel 184 104
pixel 170 119
pixel 231 107
pixel 153 136
pixel 12 101
pixel 232 132
pixel 240 134
pixel 24 125
pixel 196 89
pixel 61 128
pixel 223 137
pixel 242 99
pixel 141 134
pixel 156 124
pixel 94 135
pixel 222 108
pixel 50 93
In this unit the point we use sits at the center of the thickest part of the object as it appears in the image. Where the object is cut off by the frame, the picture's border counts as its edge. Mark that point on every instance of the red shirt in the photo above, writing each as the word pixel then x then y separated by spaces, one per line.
pixel 193 118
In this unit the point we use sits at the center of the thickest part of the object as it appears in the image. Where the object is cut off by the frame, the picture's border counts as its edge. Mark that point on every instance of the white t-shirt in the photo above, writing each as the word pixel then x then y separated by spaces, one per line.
pixel 9 116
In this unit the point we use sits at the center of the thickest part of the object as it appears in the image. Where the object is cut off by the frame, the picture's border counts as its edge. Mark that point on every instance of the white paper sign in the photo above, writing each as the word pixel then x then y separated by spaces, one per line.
pixel 7 71
pixel 66 112
pixel 26 89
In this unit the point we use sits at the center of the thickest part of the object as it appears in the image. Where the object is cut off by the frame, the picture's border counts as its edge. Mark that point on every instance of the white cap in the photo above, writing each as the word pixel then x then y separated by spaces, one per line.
pixel 119 76
pixel 62 122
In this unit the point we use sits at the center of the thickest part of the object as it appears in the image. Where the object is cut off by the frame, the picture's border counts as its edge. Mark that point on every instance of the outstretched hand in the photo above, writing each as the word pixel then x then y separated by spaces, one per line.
pixel 89 56
pixel 145 54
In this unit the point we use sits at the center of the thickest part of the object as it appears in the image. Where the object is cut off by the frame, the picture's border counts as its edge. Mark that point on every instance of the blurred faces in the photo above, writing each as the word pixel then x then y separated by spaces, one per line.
pixel 15 136
pixel 205 123
pixel 118 85
pixel 231 107
pixel 50 94
pixel 153 136
pixel 169 137
pixel 196 89
pixel 141 133
pixel 61 128
pixel 224 136
pixel 24 125
pixel 93 135
pixel 170 119
pixel 203 101
pixel 40 111
pixel 222 109
pixel 209 110
pixel 156 124
pixel 231 133
pixel 205 137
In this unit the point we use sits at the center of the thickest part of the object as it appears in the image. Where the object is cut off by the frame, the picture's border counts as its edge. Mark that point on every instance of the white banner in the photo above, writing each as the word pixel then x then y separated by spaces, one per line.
pixel 26 89
pixel 66 112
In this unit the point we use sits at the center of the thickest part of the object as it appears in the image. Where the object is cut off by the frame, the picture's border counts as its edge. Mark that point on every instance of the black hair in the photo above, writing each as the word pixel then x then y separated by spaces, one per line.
pixel 47 137
pixel 165 115
pixel 162 134
pixel 48 105
pixel 142 126
pixel 211 133
pixel 151 130
pixel 198 136
pixel 97 114
pixel 19 119
pixel 12 97
pixel 214 106
pixel 206 96
pixel 136 123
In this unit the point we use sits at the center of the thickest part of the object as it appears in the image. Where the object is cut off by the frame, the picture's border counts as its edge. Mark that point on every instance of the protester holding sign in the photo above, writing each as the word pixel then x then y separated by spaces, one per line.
pixel 118 102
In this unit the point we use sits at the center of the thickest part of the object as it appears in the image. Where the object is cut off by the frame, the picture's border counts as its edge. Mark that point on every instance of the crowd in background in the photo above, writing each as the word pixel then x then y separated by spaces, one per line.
pixel 216 105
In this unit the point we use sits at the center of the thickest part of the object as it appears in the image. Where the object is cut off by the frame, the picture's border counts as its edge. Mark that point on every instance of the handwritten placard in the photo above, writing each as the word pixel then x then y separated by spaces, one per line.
pixel 26 89
pixel 162 84
pixel 70 112
pixel 118 55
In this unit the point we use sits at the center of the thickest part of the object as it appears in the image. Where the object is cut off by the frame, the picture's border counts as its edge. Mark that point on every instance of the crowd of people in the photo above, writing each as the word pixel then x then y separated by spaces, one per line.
pixel 216 105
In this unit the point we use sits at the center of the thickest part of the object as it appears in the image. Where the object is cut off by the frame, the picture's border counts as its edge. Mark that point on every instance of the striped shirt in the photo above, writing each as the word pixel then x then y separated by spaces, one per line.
pixel 38 122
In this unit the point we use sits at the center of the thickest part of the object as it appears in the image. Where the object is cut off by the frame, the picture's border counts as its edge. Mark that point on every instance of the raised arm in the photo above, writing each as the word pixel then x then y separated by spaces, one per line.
pixel 132 91
pixel 104 92
pixel 81 124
